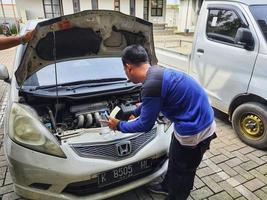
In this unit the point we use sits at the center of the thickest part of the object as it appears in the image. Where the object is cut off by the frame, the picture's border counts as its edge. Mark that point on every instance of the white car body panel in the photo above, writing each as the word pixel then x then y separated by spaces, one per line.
pixel 28 166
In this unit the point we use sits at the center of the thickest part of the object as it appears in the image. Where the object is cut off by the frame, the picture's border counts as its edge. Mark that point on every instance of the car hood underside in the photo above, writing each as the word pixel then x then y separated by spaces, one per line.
pixel 86 34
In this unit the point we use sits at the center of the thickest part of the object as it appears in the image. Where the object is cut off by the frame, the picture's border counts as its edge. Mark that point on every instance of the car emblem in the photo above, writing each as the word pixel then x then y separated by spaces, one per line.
pixel 124 148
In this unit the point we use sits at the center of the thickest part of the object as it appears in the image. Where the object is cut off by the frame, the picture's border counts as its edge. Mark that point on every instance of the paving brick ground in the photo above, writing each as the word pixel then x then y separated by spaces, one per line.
pixel 229 170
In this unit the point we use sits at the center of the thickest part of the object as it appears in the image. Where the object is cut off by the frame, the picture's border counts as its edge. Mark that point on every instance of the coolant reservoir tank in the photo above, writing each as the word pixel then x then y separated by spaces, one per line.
pixel 104 123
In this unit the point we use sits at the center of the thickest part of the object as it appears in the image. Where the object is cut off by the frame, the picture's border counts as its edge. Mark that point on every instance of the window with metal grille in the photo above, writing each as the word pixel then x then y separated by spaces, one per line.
pixel 76 6
pixel 95 4
pixel 52 8
pixel 156 7
pixel 146 9
pixel 117 5
pixel 132 7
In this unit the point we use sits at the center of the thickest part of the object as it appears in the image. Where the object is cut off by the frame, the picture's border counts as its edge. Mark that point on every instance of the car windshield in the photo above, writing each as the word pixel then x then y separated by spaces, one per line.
pixel 260 14
pixel 78 70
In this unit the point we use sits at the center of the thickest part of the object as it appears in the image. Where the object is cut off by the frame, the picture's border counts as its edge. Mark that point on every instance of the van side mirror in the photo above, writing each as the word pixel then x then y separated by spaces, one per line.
pixel 244 37
pixel 4 73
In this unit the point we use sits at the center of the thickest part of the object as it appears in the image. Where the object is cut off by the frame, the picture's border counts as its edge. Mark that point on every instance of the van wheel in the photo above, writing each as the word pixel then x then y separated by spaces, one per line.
pixel 250 123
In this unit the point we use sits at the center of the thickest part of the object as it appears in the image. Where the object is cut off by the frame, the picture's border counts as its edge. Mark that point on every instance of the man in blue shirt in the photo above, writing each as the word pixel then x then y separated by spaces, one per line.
pixel 182 100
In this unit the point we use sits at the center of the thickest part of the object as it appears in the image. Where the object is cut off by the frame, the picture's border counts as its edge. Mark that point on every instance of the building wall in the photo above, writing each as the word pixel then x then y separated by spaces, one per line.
pixel 9 14
pixel 106 4
pixel 172 17
pixel 188 14
pixel 8 10
pixel 183 14
pixel 139 8
pixel 85 5
pixel 124 6
pixel 67 7
pixel 33 9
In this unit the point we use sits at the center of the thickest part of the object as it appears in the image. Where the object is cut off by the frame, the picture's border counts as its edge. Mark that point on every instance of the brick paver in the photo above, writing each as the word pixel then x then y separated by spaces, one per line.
pixel 230 169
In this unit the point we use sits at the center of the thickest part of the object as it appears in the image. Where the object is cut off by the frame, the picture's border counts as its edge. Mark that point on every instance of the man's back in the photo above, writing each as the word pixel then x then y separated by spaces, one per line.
pixel 185 103
pixel 178 97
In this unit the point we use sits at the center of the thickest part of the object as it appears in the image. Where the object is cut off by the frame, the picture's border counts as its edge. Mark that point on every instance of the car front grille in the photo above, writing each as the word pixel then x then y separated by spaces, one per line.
pixel 89 187
pixel 109 150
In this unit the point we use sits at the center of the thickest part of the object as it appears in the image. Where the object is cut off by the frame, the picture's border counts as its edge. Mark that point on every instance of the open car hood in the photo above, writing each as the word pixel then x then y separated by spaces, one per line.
pixel 98 33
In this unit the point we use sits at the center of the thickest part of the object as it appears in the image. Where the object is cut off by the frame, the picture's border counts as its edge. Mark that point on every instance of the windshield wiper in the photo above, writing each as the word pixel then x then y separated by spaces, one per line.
pixel 85 83
pixel 96 84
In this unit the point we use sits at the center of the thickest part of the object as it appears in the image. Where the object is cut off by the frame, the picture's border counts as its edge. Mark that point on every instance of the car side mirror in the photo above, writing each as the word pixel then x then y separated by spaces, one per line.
pixel 4 73
pixel 244 38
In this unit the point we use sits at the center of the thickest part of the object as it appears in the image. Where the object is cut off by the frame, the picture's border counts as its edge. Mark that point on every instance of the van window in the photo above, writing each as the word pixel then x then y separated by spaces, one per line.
pixel 260 14
pixel 222 25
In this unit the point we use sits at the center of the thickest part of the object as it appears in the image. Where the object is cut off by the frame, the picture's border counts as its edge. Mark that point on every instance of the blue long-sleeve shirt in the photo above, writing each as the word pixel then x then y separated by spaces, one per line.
pixel 179 97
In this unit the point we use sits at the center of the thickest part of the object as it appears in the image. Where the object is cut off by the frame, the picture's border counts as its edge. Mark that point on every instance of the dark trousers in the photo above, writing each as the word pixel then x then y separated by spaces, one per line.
pixel 183 162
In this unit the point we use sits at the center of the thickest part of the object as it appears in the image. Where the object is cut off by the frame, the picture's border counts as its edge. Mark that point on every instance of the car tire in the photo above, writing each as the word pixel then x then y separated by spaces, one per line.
pixel 249 121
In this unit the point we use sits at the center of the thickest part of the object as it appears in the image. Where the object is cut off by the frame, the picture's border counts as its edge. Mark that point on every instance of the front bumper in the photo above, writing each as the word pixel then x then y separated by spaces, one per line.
pixel 30 168
pixel 31 193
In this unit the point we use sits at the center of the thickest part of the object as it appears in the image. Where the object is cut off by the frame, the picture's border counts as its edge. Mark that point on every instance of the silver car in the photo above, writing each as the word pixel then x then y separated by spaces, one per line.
pixel 67 81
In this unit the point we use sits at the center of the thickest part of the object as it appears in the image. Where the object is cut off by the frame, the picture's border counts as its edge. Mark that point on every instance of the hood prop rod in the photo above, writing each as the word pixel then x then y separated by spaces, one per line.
pixel 55 64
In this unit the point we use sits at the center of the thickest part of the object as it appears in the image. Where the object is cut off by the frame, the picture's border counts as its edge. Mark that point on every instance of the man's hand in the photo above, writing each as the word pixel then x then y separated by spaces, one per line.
pixel 113 122
pixel 131 117
pixel 27 37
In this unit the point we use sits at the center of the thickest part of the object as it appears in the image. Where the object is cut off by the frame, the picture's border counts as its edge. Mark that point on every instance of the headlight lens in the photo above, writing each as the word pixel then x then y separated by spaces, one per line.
pixel 26 130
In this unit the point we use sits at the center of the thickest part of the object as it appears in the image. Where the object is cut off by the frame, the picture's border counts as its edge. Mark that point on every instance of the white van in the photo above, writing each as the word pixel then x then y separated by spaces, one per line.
pixel 229 58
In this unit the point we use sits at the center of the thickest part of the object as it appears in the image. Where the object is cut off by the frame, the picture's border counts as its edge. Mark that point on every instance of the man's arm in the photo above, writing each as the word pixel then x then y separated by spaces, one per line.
pixel 151 105
pixel 8 42
pixel 149 112
pixel 137 111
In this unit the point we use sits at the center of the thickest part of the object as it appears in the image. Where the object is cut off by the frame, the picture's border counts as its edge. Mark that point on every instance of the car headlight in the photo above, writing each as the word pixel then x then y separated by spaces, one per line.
pixel 26 130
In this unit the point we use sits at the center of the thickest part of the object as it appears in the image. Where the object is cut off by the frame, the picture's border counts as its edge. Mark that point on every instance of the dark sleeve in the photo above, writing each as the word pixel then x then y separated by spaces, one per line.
pixel 149 113
pixel 151 104
pixel 137 111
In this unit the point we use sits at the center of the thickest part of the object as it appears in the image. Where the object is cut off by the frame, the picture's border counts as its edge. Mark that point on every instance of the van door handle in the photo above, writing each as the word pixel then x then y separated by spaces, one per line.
pixel 200 51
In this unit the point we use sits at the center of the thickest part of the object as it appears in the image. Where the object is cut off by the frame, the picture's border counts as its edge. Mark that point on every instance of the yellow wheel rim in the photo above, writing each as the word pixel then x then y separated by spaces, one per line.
pixel 252 126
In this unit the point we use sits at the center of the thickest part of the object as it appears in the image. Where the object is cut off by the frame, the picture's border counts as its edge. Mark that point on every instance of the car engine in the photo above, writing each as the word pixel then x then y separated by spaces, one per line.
pixel 71 115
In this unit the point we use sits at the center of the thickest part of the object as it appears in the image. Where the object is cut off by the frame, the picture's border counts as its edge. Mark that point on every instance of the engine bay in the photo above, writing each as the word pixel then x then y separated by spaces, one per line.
pixel 63 115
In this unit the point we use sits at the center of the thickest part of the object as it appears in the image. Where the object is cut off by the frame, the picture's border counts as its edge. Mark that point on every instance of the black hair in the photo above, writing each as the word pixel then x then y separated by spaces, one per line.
pixel 134 54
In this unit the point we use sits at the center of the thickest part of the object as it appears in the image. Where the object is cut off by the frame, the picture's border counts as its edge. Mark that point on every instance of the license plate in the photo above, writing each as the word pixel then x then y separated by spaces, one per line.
pixel 122 173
